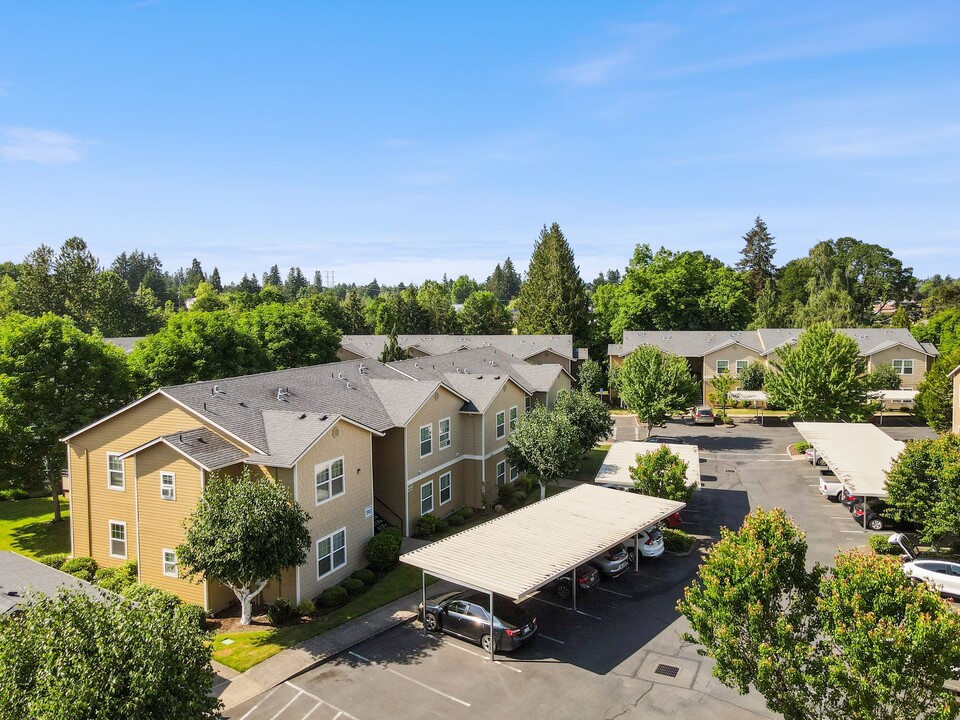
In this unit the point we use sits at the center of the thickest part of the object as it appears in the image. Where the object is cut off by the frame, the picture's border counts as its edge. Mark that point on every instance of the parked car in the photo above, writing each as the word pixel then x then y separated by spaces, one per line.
pixel 850 500
pixel 587 577
pixel 811 455
pixel 939 574
pixel 466 614
pixel 876 514
pixel 703 415
pixel 613 563
pixel 664 440
pixel 830 486
pixel 651 544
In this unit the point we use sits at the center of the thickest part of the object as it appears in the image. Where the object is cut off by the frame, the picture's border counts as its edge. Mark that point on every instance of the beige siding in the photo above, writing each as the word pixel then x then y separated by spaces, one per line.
pixel 388 475
pixel 442 404
pixel 353 444
pixel 909 382
pixel 471 426
pixel 561 383
pixel 548 357
pixel 731 353
pixel 508 396
pixel 346 355
pixel 956 403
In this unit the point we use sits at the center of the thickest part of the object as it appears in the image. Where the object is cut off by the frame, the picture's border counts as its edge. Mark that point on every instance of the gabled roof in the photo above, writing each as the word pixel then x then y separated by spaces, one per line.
pixel 686 343
pixel 954 371
pixel 521 346
pixel 199 445
pixel 869 340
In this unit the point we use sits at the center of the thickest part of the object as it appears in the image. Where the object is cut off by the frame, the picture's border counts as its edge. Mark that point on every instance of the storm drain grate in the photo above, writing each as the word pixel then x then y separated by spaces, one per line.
pixel 668 670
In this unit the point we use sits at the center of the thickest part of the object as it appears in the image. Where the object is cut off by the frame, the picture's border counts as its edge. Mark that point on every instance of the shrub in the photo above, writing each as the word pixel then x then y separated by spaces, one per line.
pixel 677 540
pixel 505 495
pixel 367 577
pixel 427 524
pixel 116 579
pixel 518 497
pixel 455 520
pixel 14 494
pixel 354 587
pixel 82 567
pixel 193 614
pixel 306 607
pixel 55 560
pixel 879 544
pixel 801 447
pixel 383 549
pixel 334 596
pixel 528 483
pixel 465 512
pixel 143 593
pixel 442 526
pixel 281 611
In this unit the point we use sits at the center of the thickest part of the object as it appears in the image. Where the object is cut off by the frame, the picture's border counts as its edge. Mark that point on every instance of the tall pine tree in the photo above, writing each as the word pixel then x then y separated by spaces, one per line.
pixel 757 257
pixel 553 300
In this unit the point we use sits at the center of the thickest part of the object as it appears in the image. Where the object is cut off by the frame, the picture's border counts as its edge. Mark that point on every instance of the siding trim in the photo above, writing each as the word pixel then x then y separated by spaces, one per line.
pixel 406 498
pixel 136 513
pixel 443 466
pixel 70 500
pixel 296 494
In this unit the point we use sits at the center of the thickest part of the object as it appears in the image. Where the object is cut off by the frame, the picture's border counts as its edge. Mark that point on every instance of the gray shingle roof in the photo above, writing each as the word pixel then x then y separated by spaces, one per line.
pixel 19 574
pixel 521 346
pixel 290 435
pixel 124 343
pixel 206 447
pixel 869 340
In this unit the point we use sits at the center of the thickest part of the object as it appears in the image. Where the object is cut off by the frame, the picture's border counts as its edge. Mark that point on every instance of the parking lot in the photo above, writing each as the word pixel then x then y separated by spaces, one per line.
pixel 621 655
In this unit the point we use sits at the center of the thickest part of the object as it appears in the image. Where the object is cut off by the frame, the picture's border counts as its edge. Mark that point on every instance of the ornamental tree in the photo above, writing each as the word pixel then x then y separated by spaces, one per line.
pixel 73 657
pixel 243 532
pixel 858 642
pixel 656 385
pixel 883 377
pixel 588 414
pixel 935 394
pixel 753 376
pixel 723 383
pixel 661 474
pixel 923 485
pixel 819 378
pixel 546 444
pixel 590 377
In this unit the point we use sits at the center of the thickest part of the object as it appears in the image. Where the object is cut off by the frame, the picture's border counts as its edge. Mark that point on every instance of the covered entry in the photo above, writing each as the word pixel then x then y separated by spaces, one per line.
pixel 521 551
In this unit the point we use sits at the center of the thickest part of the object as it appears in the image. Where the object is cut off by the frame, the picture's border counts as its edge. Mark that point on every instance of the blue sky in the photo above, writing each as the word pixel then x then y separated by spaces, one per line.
pixel 404 140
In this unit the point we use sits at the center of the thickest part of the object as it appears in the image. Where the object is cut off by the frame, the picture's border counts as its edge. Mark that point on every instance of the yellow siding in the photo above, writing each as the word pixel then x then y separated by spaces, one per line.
pixel 731 353
pixel 508 396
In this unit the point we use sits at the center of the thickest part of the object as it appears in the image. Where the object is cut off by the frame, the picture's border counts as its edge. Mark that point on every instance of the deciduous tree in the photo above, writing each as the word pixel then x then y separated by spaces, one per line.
pixel 656 385
pixel 935 394
pixel 243 532
pixel 923 485
pixel 590 376
pixel 661 474
pixel 546 444
pixel 753 376
pixel 483 314
pixel 588 414
pixel 290 335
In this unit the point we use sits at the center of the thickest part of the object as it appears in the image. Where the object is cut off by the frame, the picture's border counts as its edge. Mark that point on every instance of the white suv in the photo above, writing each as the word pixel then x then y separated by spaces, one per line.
pixel 651 544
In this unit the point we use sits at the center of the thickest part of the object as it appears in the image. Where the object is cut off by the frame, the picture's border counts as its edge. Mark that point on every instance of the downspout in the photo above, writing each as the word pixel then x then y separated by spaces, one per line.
pixel 406 489
pixel 296 499
pixel 483 461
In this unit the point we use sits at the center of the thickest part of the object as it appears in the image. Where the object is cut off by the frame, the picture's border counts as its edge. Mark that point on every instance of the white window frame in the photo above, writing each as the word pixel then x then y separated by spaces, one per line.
pixel 170 568
pixel 172 487
pixel 332 552
pixel 904 364
pixel 501 473
pixel 120 524
pixel 528 403
pixel 446 478
pixel 429 440
pixel 742 365
pixel 443 441
pixel 514 473
pixel 501 424
pixel 723 366
pixel 514 415
pixel 328 466
pixel 110 473
pixel 428 498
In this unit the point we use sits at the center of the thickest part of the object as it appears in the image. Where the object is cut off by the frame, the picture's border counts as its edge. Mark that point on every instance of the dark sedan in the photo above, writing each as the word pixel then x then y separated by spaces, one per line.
pixel 849 500
pixel 587 577
pixel 466 614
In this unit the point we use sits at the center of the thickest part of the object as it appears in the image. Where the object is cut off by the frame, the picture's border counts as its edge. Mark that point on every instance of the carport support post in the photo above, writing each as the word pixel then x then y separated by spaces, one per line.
pixel 573 582
pixel 493 640
pixel 423 590
pixel 864 513
pixel 636 553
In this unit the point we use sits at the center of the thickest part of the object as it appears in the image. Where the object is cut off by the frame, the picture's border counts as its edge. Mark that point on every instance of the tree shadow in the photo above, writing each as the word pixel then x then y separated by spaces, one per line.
pixel 42 538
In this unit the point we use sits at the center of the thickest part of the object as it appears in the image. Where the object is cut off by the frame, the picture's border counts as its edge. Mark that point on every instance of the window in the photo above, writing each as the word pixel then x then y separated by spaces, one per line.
pixel 168 486
pixel 426 440
pixel 446 491
pixel 329 479
pixel 742 365
pixel 114 471
pixel 426 498
pixel 723 366
pixel 903 367
pixel 528 403
pixel 501 472
pixel 331 552
pixel 118 539
pixel 170 563
pixel 445 433
pixel 500 425
pixel 514 473
pixel 513 418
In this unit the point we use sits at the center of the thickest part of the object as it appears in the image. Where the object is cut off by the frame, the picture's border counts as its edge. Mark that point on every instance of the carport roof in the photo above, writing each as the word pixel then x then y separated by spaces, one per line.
pixel 616 465
pixel 860 454
pixel 516 553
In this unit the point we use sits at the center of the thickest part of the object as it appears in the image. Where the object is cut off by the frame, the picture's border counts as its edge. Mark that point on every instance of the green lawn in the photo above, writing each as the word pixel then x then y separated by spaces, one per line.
pixel 27 527
pixel 255 646
pixel 591 463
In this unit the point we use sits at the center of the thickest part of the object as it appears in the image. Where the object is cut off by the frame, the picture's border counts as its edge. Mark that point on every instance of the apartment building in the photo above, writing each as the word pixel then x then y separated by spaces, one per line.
pixel 348 440
pixel 955 377
pixel 710 352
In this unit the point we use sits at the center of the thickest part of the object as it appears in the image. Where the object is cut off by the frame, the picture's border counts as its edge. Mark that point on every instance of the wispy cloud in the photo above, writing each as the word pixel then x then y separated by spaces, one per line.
pixel 46 147
pixel 863 143
pixel 595 71
pixel 397 142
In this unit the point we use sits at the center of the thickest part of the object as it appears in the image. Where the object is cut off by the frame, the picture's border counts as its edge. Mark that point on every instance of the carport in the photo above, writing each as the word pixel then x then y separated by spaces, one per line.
pixel 622 454
pixel 897 396
pixel 754 396
pixel 860 454
pixel 517 553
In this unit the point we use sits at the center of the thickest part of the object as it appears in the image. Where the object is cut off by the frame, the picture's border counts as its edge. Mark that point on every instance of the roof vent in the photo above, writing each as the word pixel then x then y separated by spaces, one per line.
pixel 282 394
pixel 303 416
pixel 242 404
pixel 496 377
pixel 416 365
pixel 322 418
pixel 341 376
pixel 215 390
pixel 201 440
pixel 479 377
pixel 349 386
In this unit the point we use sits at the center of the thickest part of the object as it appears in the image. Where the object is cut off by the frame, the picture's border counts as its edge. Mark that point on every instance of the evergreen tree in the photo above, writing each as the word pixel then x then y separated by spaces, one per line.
pixel 273 277
pixel 511 279
pixel 294 284
pixel 757 257
pixel 75 272
pixel 354 317
pixel 215 281
pixel 35 287
pixel 372 290
pixel 553 300
pixel 392 352
pixel 249 284
pixel 318 281
pixel 495 284
pixel 193 277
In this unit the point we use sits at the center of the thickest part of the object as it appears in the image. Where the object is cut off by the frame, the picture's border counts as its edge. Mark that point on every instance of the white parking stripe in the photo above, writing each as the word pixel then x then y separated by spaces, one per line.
pixel 310 712
pixel 547 637
pixel 301 690
pixel 250 711
pixel 482 657
pixel 289 703
pixel 410 679
pixel 614 592
pixel 319 702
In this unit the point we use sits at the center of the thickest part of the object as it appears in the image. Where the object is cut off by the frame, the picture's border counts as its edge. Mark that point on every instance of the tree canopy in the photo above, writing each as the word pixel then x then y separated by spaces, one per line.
pixel 935 394
pixel 546 444
pixel 756 258
pixel 588 414
pixel 923 485
pixel 483 314
pixel 661 474
pixel 656 385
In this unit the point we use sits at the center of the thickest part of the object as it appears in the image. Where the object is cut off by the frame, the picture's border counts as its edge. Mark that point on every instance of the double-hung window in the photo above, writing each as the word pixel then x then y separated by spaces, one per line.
pixel 446 491
pixel 528 403
pixel 118 539
pixel 501 472
pixel 903 367
pixel 170 563
pixel 329 480
pixel 168 486
pixel 115 480
pixel 742 365
pixel 514 473
pixel 426 440
pixel 723 366
pixel 501 425
pixel 331 552
pixel 444 433
pixel 513 418
pixel 426 498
